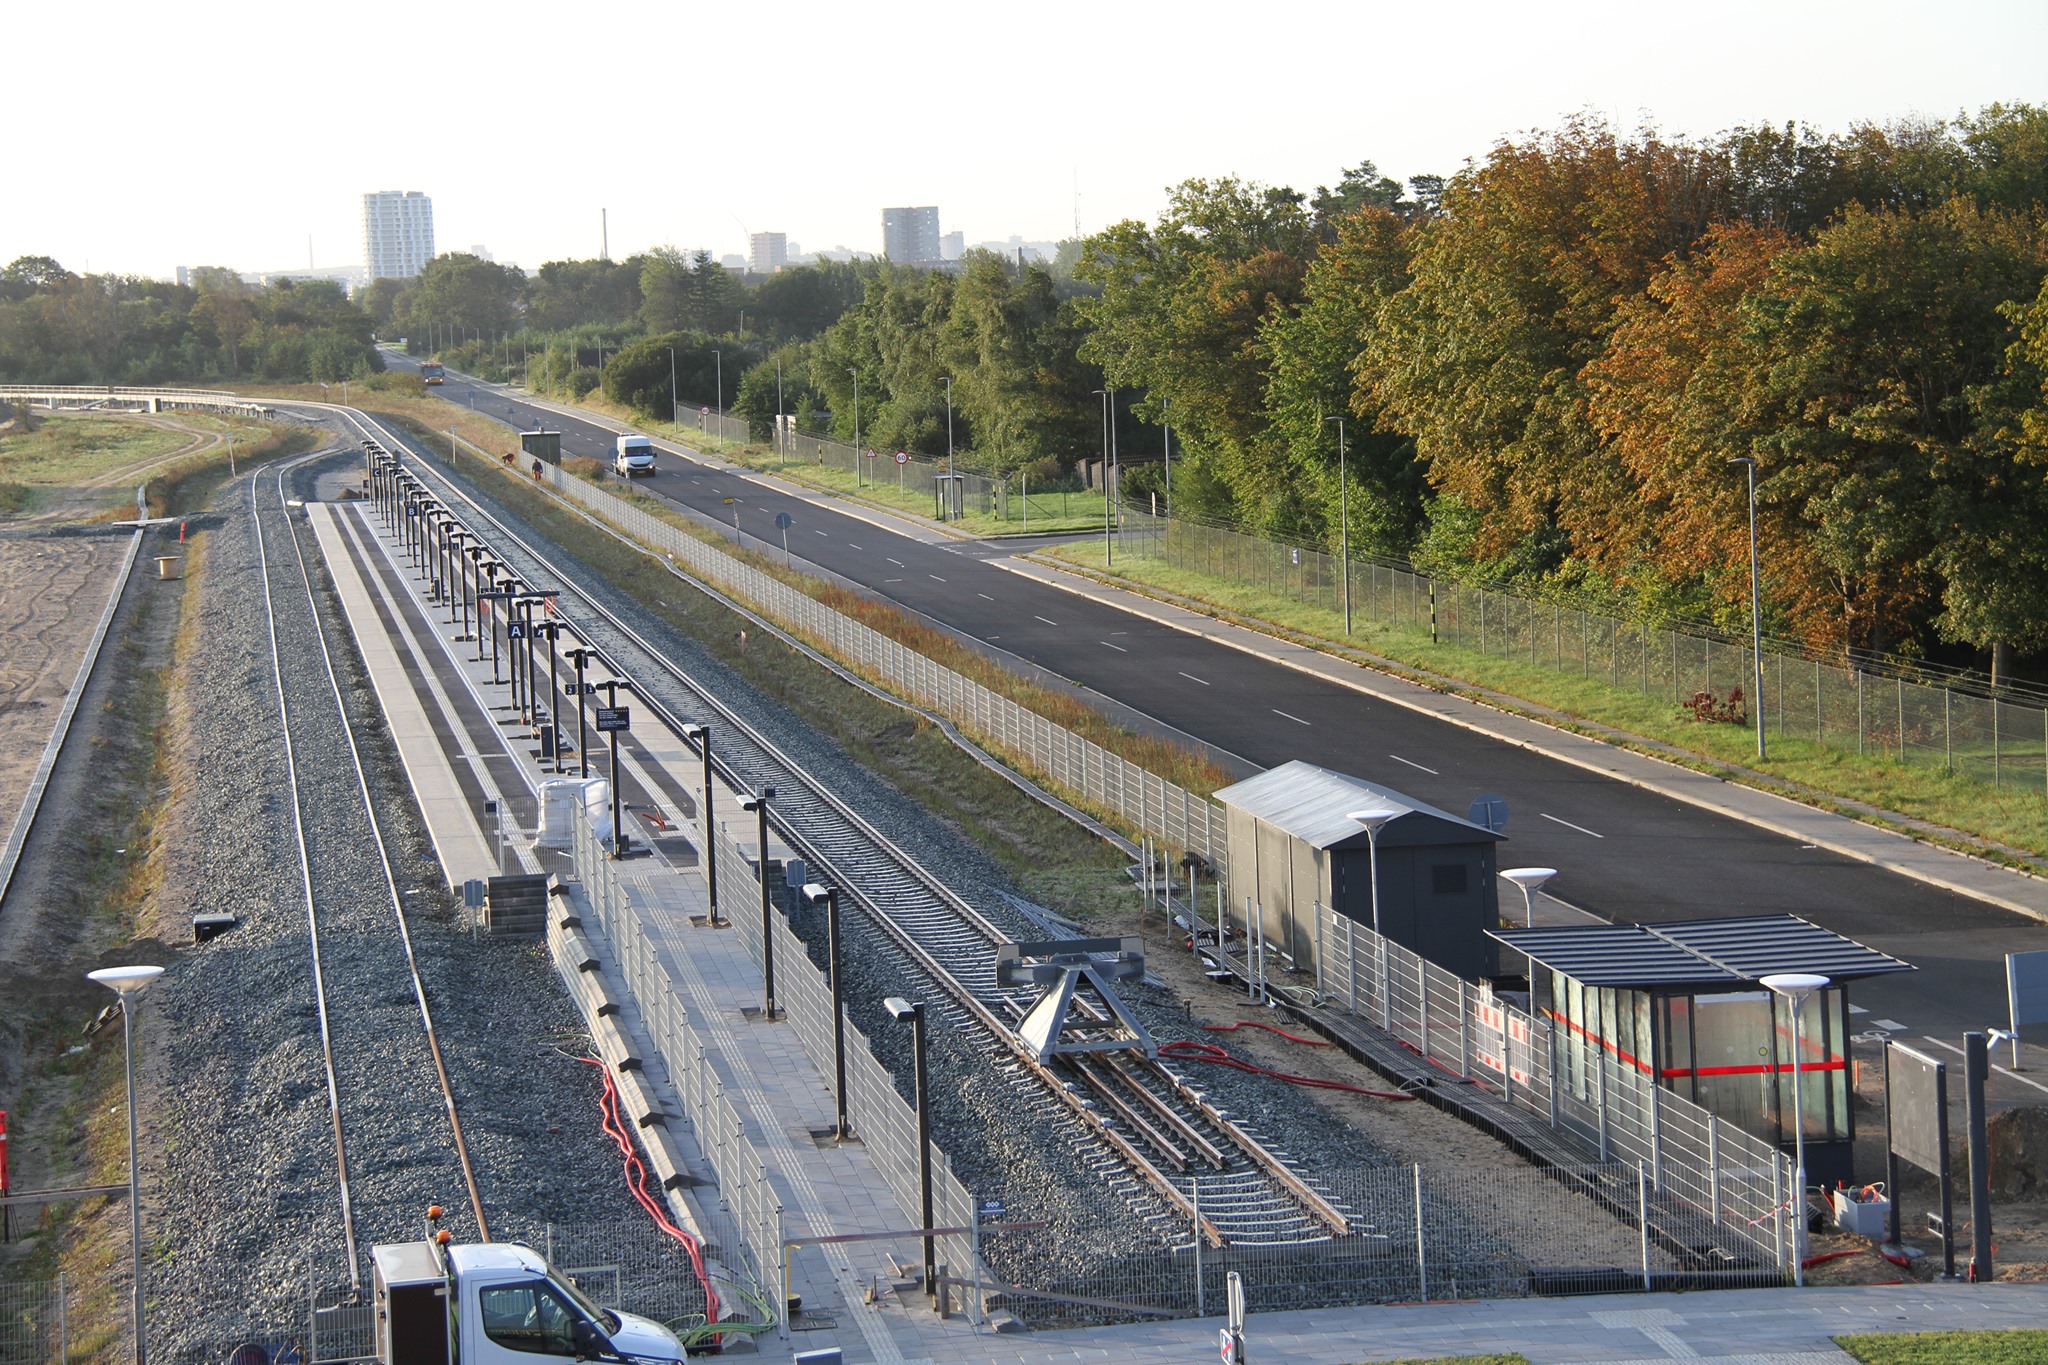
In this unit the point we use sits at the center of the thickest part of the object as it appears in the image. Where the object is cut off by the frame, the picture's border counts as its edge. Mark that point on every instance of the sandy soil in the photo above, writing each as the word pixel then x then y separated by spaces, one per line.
pixel 52 590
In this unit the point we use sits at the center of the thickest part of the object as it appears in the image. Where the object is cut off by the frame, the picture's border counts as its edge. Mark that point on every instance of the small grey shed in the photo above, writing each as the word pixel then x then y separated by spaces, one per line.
pixel 1293 846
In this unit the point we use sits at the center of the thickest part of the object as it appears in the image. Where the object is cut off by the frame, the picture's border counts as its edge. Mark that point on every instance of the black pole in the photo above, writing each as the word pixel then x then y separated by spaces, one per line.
pixel 924 1151
pixel 582 746
pixel 612 742
pixel 838 1009
pixel 1977 1070
pixel 554 691
pixel 710 843
pixel 761 800
pixel 532 706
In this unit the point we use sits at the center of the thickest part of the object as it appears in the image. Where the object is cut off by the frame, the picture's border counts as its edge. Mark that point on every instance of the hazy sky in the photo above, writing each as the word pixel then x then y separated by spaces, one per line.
pixel 227 133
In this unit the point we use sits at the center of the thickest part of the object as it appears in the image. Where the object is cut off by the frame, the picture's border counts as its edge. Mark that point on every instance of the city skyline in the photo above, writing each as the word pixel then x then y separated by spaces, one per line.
pixel 1030 150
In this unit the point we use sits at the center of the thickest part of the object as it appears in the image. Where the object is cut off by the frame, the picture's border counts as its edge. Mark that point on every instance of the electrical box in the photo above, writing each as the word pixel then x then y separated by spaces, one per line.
pixel 412 1305
pixel 542 445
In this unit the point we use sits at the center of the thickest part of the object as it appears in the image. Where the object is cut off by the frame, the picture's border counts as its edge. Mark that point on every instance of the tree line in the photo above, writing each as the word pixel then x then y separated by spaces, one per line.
pixel 57 327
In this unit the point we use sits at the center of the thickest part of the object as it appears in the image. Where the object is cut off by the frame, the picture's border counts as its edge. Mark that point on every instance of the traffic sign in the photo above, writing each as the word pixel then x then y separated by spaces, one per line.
pixel 902 457
pixel 871 452
pixel 783 521
pixel 611 718
pixel 705 410
pixel 1229 1344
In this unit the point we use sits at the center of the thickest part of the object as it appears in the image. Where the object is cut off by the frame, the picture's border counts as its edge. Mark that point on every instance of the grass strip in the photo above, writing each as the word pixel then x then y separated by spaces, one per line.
pixel 2018 1347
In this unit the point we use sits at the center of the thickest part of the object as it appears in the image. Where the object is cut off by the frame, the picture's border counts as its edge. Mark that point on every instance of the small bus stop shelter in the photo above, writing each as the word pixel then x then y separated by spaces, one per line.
pixel 1294 847
pixel 1680 1008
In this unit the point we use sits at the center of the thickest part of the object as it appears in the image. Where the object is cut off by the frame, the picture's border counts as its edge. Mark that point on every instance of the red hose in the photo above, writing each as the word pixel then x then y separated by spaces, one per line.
pixel 1190 1051
pixel 636 1181
pixel 1253 1023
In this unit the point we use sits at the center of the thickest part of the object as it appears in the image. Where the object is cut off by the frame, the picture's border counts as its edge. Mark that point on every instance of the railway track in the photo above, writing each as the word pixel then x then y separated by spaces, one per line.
pixel 388 1119
pixel 1160 1128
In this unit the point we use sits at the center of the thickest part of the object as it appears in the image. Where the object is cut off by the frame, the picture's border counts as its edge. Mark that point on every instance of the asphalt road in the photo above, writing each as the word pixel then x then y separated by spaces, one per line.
pixel 1623 853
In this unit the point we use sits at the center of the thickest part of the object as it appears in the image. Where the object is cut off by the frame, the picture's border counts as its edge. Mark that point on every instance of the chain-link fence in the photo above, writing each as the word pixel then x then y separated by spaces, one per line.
pixel 35 1322
pixel 1866 708
pixel 745 1194
pixel 1737 1189
pixel 1144 801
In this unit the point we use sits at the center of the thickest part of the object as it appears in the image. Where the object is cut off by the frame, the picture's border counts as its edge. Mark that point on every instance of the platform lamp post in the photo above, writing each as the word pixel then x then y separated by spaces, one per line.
pixel 814 892
pixel 757 805
pixel 1756 620
pixel 611 702
pixel 579 656
pixel 473 552
pixel 128 982
pixel 911 1012
pixel 1794 988
pixel 458 554
pixel 1376 818
pixel 1530 880
pixel 548 630
pixel 700 735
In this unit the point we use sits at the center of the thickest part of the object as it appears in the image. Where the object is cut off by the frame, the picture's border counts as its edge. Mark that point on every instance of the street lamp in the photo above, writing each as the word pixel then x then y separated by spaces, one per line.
pixel 718 389
pixel 856 425
pixel 128 982
pixel 700 735
pixel 1344 521
pixel 758 805
pixel 1756 620
pixel 813 894
pixel 1374 818
pixel 675 411
pixel 912 1013
pixel 1166 444
pixel 947 380
pixel 1108 477
pixel 1530 880
pixel 1794 988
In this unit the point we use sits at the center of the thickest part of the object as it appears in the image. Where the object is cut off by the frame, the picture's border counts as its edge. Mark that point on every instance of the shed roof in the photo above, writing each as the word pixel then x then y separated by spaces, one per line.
pixel 1698 952
pixel 1314 805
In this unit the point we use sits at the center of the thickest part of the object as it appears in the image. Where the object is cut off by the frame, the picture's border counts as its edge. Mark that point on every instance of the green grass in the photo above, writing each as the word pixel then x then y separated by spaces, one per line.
pixel 65 451
pixel 1868 785
pixel 1455 1360
pixel 1948 1348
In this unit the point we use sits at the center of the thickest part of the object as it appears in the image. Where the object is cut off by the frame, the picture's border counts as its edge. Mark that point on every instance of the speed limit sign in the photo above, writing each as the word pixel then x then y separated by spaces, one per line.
pixel 902 457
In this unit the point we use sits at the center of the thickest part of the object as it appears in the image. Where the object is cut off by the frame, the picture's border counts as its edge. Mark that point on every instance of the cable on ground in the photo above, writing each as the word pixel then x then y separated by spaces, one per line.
pixel 1187 1050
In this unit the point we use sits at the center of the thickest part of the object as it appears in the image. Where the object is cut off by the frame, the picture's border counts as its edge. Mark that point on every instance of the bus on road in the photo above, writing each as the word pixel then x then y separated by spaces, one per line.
pixel 430 372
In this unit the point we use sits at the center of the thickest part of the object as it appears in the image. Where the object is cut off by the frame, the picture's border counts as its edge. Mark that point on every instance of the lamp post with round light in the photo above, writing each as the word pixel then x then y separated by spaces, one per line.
pixel 128 982
pixel 1529 880
pixel 1376 818
pixel 1794 988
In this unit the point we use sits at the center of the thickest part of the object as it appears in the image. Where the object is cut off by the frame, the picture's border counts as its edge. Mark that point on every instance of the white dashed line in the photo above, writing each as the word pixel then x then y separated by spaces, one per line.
pixel 1192 678
pixel 1413 764
pixel 851 546
pixel 935 578
pixel 1118 648
pixel 818 533
pixel 897 562
pixel 1284 716
pixel 1047 619
pixel 1888 1025
pixel 984 597
pixel 1569 825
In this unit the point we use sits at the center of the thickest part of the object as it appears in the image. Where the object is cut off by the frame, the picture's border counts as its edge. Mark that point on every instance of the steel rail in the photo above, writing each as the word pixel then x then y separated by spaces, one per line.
pixel 790 780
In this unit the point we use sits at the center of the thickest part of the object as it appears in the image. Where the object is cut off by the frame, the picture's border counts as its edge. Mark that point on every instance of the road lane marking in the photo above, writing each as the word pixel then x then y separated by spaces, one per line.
pixel 1284 716
pixel 818 532
pixel 1888 1025
pixel 1192 678
pixel 1569 825
pixel 851 546
pixel 1118 648
pixel 984 597
pixel 1047 619
pixel 935 577
pixel 1413 764
pixel 1999 1069
pixel 897 562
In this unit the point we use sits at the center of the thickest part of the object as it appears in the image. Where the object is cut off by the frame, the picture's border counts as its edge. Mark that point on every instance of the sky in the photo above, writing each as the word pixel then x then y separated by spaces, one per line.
pixel 226 133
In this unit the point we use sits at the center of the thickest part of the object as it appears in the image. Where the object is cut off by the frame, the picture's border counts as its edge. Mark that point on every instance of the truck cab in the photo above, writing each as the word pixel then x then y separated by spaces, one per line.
pixel 633 455
pixel 497 1303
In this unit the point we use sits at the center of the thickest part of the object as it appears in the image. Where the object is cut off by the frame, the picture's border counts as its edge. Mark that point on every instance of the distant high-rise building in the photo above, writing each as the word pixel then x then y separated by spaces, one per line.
pixel 911 234
pixel 953 246
pixel 768 252
pixel 398 234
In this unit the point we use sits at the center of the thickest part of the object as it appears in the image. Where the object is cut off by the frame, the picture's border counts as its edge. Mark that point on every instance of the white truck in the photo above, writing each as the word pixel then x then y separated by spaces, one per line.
pixel 633 454
pixel 497 1303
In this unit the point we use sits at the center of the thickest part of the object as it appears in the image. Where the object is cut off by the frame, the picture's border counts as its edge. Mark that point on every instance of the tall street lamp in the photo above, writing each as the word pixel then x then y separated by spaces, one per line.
pixel 856 425
pixel 1756 620
pixel 911 1012
pixel 675 412
pixel 1343 521
pixel 1166 444
pixel 128 982
pixel 1108 478
pixel 700 735
pixel 1794 988
pixel 814 893
pixel 947 380
pixel 758 805
pixel 781 444
pixel 1375 818
pixel 718 389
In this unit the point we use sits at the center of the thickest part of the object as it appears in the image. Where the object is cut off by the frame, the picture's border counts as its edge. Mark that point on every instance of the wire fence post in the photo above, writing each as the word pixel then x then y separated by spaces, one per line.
pixel 1600 1078
pixel 1643 1218
pixel 1714 1167
pixel 1201 1297
pixel 1421 1245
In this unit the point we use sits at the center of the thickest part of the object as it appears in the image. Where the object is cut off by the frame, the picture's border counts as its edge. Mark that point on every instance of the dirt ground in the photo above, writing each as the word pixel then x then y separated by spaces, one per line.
pixel 52 590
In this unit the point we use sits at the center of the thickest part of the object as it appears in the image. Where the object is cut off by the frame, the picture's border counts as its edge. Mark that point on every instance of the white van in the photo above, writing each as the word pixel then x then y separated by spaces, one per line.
pixel 635 455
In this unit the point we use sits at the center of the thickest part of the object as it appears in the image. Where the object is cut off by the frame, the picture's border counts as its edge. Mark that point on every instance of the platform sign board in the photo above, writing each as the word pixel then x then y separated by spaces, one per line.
pixel 1916 1130
pixel 2026 988
pixel 515 630
pixel 610 718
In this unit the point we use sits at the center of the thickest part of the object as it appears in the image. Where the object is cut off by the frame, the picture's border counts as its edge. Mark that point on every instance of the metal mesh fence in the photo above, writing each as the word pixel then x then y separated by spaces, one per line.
pixel 744 1193
pixel 35 1325
pixel 1735 1187
pixel 1868 709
